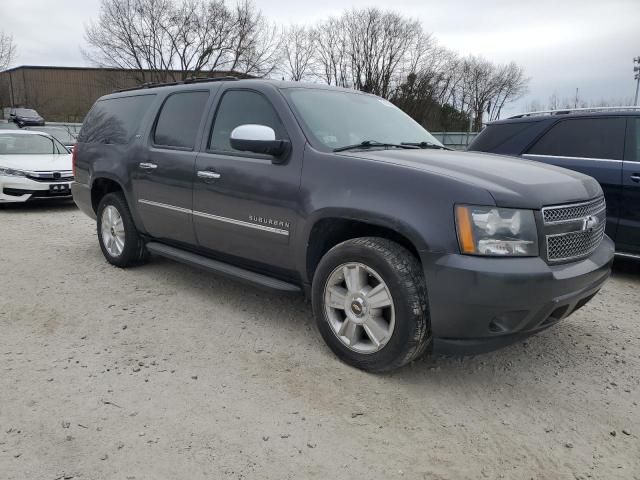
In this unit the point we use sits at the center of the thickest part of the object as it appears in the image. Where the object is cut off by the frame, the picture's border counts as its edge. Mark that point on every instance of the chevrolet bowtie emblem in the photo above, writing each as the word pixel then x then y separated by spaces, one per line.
pixel 590 223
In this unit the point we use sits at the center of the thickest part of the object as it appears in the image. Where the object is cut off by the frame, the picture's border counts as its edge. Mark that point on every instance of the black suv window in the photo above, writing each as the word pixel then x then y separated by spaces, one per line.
pixel 494 136
pixel 636 157
pixel 584 137
pixel 239 107
pixel 115 120
pixel 179 119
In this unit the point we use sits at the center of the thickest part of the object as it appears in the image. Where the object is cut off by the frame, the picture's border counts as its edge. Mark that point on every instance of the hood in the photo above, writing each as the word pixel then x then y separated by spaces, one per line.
pixel 37 163
pixel 513 182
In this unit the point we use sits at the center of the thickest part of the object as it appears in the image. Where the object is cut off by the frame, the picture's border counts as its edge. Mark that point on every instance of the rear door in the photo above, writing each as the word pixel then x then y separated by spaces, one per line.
pixel 593 146
pixel 246 209
pixel 163 176
pixel 628 239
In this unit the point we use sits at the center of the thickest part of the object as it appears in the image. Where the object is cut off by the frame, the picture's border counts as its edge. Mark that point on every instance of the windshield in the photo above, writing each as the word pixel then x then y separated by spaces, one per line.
pixel 338 119
pixel 26 111
pixel 24 144
pixel 59 134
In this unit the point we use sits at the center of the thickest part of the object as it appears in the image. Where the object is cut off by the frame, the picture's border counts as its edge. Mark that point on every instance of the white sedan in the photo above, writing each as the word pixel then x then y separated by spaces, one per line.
pixel 33 165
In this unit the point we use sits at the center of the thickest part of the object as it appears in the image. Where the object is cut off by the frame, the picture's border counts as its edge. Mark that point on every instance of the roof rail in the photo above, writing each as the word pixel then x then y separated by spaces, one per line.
pixel 565 111
pixel 186 81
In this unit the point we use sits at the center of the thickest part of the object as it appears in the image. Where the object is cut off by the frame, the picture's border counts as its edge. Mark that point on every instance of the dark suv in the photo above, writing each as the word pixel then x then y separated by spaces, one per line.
pixel 603 143
pixel 400 243
pixel 25 116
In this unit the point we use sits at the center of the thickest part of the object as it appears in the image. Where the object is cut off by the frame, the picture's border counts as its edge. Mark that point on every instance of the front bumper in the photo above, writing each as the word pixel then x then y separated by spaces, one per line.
pixel 21 189
pixel 480 304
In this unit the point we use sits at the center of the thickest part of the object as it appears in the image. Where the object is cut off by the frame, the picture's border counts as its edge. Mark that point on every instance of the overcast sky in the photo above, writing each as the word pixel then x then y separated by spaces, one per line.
pixel 562 44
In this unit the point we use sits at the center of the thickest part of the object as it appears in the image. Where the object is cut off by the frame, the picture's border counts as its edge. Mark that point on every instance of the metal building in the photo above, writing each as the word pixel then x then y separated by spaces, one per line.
pixel 65 94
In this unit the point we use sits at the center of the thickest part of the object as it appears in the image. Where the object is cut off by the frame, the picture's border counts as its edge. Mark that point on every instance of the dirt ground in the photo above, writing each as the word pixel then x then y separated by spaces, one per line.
pixel 167 372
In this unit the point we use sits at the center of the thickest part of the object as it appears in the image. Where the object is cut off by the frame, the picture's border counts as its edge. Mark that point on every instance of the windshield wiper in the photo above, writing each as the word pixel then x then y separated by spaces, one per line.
pixel 373 143
pixel 426 145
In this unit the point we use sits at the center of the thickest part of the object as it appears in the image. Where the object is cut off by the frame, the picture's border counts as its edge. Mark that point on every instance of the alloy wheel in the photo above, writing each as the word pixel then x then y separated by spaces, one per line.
pixel 359 307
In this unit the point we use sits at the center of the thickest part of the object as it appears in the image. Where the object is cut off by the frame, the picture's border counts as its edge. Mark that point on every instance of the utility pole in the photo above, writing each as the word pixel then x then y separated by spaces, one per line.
pixel 636 68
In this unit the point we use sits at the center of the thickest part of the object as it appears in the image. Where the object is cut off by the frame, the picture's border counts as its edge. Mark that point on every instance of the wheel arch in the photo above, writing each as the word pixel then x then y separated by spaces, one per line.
pixel 327 231
pixel 101 186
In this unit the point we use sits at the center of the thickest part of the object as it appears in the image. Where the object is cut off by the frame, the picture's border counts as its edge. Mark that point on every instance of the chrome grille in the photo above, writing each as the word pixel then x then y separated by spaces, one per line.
pixel 572 212
pixel 574 231
pixel 567 246
pixel 57 176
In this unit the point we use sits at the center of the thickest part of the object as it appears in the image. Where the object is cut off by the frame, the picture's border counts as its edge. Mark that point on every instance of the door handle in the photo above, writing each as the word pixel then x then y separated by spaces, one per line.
pixel 147 166
pixel 207 174
pixel 635 177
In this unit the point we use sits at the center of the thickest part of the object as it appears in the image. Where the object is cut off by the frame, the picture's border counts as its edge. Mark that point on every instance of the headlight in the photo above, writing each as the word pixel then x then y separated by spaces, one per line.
pixel 10 172
pixel 496 231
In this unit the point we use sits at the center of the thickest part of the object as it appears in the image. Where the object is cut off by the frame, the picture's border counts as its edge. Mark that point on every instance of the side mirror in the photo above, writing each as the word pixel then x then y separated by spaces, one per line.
pixel 258 139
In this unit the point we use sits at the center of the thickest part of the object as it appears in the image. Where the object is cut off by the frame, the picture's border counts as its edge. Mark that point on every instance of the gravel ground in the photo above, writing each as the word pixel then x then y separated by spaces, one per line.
pixel 167 372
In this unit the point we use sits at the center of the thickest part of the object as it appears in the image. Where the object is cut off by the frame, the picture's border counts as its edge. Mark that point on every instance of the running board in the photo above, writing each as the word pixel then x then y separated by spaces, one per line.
pixel 220 267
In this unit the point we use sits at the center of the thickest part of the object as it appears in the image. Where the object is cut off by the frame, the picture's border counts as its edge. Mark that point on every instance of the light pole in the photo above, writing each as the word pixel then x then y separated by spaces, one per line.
pixel 636 68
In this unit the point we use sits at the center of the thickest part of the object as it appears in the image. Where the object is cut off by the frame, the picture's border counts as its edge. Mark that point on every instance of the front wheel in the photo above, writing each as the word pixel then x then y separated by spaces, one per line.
pixel 119 240
pixel 370 303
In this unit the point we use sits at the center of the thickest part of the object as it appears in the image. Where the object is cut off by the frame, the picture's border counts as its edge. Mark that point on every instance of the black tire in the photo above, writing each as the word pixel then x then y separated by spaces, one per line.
pixel 134 251
pixel 402 273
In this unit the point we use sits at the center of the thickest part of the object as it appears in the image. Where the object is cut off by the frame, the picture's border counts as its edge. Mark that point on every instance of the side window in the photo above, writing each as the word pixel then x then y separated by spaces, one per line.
pixel 239 107
pixel 179 119
pixel 637 140
pixel 115 120
pixel 584 137
pixel 494 136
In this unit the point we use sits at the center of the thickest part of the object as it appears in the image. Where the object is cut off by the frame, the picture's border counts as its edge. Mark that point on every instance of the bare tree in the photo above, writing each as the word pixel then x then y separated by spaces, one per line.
pixel 168 39
pixel 510 84
pixel 331 59
pixel 380 45
pixel 7 50
pixel 369 50
pixel 299 51
pixel 486 88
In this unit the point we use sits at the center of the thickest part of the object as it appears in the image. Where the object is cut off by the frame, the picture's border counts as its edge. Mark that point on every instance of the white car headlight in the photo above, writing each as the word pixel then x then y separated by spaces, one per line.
pixel 11 172
pixel 494 231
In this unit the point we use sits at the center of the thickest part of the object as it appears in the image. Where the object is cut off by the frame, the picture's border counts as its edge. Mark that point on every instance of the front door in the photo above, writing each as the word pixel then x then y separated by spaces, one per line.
pixel 244 204
pixel 163 175
pixel 629 229
pixel 594 146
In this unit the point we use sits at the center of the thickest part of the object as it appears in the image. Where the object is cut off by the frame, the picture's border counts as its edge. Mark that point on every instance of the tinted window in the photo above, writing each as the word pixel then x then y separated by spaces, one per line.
pixel 637 140
pixel 115 120
pixel 239 107
pixel 584 137
pixel 493 136
pixel 179 119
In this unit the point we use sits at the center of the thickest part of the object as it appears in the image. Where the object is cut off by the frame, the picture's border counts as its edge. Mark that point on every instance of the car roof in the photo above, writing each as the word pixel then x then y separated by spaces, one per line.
pixel 203 83
pixel 552 116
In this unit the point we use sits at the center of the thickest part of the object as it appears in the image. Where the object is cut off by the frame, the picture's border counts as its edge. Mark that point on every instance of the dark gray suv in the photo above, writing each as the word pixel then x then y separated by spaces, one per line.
pixel 400 243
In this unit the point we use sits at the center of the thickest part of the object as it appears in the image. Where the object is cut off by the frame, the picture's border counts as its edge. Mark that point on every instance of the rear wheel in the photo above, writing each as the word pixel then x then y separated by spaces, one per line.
pixel 370 303
pixel 119 240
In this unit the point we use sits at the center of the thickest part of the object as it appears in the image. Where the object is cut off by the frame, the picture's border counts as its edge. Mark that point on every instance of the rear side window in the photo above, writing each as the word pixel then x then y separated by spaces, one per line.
pixel 179 119
pixel 494 136
pixel 584 137
pixel 115 120
pixel 240 107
